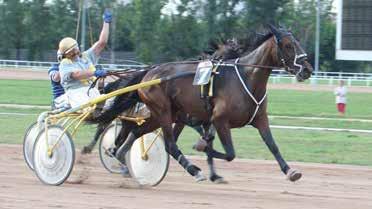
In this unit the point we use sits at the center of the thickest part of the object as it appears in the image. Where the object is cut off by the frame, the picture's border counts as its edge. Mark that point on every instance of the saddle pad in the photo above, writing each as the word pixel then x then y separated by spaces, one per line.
pixel 203 73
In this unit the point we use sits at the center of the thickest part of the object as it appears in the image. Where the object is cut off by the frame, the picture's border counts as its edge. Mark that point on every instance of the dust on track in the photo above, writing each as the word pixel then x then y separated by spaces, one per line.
pixel 252 184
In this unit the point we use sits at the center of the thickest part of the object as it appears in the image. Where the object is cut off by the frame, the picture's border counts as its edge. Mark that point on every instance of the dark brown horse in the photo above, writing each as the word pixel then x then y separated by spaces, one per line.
pixel 222 50
pixel 239 99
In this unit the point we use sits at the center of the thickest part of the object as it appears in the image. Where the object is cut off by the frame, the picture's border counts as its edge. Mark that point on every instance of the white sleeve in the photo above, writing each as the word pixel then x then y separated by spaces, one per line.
pixel 52 76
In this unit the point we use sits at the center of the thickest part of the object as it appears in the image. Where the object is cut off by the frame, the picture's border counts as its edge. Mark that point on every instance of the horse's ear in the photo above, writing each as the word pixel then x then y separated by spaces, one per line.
pixel 275 31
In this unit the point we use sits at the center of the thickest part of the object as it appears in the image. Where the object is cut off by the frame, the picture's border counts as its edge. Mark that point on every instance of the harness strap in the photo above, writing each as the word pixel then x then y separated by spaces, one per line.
pixel 214 71
pixel 248 92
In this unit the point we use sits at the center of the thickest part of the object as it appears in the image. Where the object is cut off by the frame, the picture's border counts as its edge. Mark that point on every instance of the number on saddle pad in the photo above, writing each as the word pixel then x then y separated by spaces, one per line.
pixel 203 73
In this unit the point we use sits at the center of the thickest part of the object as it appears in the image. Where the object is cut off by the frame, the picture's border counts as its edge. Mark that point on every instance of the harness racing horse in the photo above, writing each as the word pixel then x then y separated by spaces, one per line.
pixel 239 99
pixel 221 51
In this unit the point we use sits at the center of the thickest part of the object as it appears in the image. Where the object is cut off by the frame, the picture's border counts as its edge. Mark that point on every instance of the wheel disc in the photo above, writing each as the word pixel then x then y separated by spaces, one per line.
pixel 54 169
pixel 108 141
pixel 28 144
pixel 152 170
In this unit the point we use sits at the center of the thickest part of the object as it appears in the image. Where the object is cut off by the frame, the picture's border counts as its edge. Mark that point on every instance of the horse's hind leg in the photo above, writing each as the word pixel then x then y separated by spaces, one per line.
pixel 88 148
pixel 172 148
pixel 224 133
pixel 124 144
pixel 262 125
pixel 209 134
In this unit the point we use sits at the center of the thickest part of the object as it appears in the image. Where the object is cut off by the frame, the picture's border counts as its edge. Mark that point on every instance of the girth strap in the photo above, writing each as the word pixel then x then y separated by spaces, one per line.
pixel 249 93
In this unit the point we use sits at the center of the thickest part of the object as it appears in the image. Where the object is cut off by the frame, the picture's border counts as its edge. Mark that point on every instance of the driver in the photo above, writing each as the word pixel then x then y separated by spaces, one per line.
pixel 77 70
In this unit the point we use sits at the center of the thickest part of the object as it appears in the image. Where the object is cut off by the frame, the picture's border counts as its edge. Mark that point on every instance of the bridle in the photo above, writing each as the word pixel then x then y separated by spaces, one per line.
pixel 295 60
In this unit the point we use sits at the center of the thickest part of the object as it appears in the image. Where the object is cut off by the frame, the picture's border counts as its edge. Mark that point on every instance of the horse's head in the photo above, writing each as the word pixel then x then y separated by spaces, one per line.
pixel 291 54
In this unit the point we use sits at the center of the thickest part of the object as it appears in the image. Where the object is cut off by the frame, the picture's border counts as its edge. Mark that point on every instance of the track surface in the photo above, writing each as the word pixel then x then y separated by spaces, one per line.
pixel 252 184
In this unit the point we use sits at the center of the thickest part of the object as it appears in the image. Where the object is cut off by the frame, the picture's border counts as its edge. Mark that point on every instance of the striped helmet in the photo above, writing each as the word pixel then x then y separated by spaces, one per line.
pixel 66 45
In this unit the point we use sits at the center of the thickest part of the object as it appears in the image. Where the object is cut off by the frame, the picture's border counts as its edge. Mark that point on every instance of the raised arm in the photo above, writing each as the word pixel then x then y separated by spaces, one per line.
pixel 103 38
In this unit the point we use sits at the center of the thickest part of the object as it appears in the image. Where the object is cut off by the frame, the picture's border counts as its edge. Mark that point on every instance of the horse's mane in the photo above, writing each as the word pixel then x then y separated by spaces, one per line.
pixel 231 48
pixel 253 40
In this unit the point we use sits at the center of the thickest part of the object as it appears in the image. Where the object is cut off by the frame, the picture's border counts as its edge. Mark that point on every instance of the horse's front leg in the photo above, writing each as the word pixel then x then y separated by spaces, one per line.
pixel 177 129
pixel 262 124
pixel 209 136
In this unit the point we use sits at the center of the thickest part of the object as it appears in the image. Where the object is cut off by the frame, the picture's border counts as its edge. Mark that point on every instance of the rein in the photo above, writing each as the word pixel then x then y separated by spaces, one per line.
pixel 224 63
pixel 114 73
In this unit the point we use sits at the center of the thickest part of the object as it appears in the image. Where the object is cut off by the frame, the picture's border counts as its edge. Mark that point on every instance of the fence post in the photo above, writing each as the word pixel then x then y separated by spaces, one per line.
pixel 349 81
pixel 330 81
pixel 293 80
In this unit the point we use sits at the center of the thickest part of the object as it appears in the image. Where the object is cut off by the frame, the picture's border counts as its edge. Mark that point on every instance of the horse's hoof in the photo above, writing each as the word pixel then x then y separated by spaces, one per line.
pixel 86 150
pixel 217 179
pixel 199 177
pixel 120 157
pixel 124 171
pixel 293 175
pixel 200 145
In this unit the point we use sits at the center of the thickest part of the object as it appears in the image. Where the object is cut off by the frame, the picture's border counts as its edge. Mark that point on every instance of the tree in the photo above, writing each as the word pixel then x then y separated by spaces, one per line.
pixel 146 19
pixel 260 12
pixel 13 27
pixel 63 20
pixel 180 34
pixel 38 27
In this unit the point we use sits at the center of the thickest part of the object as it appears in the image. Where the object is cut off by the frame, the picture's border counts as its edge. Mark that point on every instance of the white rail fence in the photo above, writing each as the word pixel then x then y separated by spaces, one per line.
pixel 278 76
pixel 43 66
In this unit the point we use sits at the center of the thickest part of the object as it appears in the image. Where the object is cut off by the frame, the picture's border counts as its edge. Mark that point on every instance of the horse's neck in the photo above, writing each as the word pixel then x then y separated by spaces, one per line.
pixel 263 55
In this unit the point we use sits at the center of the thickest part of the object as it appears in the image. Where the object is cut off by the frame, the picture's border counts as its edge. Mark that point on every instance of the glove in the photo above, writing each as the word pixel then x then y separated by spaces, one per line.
pixel 100 73
pixel 59 56
pixel 107 16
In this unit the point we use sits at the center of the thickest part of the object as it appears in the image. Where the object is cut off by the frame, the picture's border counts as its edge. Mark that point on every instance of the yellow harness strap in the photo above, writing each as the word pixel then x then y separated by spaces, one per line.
pixel 214 70
pixel 210 90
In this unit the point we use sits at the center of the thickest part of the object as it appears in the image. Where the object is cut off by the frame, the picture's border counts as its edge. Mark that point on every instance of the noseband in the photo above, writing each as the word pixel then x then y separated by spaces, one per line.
pixel 295 60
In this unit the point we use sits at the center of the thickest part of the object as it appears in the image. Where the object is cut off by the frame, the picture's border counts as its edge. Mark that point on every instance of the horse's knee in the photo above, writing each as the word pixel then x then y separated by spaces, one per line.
pixel 230 157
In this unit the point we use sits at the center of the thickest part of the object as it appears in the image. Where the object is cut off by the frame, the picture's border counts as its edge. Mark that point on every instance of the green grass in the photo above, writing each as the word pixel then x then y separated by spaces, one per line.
pixel 273 121
pixel 314 103
pixel 281 102
pixel 296 145
pixel 321 123
pixel 31 92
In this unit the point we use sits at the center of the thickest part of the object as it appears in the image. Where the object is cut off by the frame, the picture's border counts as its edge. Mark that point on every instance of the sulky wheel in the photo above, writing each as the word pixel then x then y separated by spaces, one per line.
pixel 108 141
pixel 28 143
pixel 151 168
pixel 53 169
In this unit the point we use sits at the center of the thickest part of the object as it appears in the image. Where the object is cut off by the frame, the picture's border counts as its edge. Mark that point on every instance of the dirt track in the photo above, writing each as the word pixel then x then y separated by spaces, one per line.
pixel 252 184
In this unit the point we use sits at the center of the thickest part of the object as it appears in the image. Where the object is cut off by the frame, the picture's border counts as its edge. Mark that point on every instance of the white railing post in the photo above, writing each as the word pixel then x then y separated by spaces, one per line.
pixel 349 81
pixel 330 81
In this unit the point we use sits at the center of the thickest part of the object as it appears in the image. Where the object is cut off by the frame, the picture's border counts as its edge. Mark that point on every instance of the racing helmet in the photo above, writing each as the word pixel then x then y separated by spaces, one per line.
pixel 66 45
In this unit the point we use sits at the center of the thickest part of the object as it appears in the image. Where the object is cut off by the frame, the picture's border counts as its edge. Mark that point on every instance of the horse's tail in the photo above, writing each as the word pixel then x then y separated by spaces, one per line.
pixel 123 102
